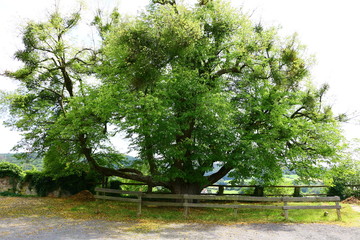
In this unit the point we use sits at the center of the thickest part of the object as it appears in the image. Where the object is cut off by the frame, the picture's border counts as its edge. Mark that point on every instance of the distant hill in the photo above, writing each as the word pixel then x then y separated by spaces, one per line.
pixel 28 164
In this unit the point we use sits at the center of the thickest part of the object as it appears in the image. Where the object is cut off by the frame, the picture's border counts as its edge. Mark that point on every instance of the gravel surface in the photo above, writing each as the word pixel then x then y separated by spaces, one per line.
pixel 58 228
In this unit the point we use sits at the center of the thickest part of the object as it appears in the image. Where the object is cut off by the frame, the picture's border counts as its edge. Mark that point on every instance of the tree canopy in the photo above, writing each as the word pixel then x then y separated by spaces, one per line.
pixel 200 92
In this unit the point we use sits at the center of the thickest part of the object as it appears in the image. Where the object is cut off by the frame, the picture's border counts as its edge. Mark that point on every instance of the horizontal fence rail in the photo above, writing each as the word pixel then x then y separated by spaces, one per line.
pixel 257 190
pixel 207 201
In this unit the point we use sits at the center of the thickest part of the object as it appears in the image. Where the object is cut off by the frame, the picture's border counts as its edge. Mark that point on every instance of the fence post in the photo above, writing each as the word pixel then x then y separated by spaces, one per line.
pixel 235 209
pixel 221 190
pixel 139 204
pixel 97 202
pixel 149 189
pixel 286 212
pixel 338 211
pixel 296 192
pixel 259 191
pixel 186 207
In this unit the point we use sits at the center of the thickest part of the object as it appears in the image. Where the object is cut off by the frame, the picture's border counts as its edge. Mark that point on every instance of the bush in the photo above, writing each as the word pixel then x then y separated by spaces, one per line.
pixel 10 170
pixel 115 184
pixel 76 183
pixel 13 171
pixel 10 194
pixel 341 189
pixel 338 188
pixel 44 183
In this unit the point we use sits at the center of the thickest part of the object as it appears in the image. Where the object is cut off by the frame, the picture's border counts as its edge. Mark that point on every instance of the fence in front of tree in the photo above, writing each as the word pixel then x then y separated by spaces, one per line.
pixel 206 201
pixel 258 191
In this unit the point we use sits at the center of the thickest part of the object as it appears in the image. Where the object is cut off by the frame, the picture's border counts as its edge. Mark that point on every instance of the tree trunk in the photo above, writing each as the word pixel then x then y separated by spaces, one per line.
pixel 181 187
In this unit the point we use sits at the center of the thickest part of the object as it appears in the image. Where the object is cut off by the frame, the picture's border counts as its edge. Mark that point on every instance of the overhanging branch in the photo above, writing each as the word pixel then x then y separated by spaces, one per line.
pixel 127 173
pixel 213 178
pixel 230 70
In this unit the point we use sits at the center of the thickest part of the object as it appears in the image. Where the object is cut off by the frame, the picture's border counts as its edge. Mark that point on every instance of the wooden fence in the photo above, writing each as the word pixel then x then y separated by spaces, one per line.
pixel 258 191
pixel 189 201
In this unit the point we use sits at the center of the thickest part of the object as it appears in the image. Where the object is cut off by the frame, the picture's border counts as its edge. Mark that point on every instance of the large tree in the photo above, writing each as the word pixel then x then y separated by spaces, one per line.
pixel 52 106
pixel 204 92
pixel 200 92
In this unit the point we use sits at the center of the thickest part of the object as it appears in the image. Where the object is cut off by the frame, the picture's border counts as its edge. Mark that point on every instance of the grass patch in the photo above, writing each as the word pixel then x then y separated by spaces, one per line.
pixel 145 227
pixel 153 217
pixel 11 194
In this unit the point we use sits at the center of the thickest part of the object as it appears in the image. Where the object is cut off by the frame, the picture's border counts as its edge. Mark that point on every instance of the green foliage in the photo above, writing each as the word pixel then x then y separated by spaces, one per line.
pixel 346 173
pixel 204 85
pixel 13 171
pixel 10 170
pixel 278 191
pixel 338 188
pixel 76 183
pixel 139 188
pixel 115 184
pixel 53 105
pixel 339 183
pixel 10 194
pixel 44 183
pixel 353 192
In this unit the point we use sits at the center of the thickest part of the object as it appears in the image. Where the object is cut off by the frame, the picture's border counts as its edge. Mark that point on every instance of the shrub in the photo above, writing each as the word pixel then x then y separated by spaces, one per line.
pixel 13 171
pixel 10 170
pixel 10 194
pixel 78 182
pixel 338 188
pixel 115 184
pixel 44 183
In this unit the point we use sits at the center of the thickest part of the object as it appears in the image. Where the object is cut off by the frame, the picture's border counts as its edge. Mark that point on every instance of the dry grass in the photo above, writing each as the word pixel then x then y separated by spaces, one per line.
pixel 152 217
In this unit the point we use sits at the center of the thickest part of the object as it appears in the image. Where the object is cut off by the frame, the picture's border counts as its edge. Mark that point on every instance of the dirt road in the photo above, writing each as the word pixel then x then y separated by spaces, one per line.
pixel 44 228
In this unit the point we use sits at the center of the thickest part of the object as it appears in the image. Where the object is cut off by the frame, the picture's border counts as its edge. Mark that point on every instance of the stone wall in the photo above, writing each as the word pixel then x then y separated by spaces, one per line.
pixel 5 184
pixel 23 188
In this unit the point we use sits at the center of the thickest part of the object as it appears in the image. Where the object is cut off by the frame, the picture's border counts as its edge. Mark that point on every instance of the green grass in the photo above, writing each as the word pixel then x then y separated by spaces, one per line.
pixel 224 216
pixel 119 211
pixel 11 194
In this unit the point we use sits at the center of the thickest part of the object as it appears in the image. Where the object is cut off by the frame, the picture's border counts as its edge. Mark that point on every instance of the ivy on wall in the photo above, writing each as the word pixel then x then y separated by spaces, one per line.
pixel 13 171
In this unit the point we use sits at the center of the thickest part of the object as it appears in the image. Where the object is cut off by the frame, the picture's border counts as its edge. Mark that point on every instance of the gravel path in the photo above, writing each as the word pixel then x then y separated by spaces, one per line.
pixel 42 228
pixel 356 207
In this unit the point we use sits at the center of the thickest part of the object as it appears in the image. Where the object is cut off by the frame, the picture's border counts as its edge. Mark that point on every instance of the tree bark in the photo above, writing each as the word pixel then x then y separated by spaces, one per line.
pixel 179 186
pixel 213 178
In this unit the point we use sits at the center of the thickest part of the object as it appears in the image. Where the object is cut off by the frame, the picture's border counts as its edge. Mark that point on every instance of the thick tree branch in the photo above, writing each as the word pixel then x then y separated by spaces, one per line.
pixel 297 112
pixel 213 178
pixel 130 170
pixel 126 173
pixel 68 84
pixel 230 70
pixel 163 2
pixel 204 2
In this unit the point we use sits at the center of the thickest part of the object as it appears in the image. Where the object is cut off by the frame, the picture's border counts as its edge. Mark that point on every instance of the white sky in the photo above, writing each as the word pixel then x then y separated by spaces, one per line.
pixel 329 28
